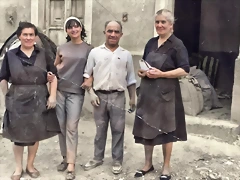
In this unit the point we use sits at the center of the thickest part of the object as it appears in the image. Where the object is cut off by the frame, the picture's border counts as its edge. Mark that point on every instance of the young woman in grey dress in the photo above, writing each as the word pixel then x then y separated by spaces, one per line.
pixel 71 59
pixel 160 118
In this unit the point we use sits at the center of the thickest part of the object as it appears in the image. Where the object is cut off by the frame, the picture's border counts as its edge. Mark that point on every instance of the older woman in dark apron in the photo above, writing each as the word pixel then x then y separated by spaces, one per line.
pixel 29 116
pixel 160 118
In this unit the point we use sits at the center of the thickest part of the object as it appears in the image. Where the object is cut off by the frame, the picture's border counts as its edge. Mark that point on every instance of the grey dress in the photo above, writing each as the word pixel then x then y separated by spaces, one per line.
pixel 160 117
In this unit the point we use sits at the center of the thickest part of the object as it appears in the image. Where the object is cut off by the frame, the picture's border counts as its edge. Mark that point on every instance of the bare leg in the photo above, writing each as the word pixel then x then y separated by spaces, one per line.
pixel 71 167
pixel 167 151
pixel 18 154
pixel 32 151
pixel 148 157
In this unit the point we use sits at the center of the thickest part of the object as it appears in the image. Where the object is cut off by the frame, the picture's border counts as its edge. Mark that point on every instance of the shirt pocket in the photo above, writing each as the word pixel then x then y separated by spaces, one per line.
pixel 120 62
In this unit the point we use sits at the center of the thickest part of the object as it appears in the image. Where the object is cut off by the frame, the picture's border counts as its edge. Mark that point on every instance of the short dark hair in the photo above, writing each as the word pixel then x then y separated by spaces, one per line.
pixel 71 23
pixel 119 23
pixel 24 25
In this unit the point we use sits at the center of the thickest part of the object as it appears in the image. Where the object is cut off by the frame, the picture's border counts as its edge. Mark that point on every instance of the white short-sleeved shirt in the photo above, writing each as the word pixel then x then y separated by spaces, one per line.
pixel 110 70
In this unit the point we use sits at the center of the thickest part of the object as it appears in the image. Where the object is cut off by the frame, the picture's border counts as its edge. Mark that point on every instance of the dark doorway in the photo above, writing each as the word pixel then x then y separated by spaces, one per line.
pixel 210 30
pixel 187 26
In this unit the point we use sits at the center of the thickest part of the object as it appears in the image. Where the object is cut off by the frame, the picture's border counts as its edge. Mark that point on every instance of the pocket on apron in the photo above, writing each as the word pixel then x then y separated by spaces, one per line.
pixel 168 95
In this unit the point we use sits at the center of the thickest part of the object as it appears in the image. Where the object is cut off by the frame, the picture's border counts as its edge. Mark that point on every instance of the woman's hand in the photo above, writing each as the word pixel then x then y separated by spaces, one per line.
pixel 51 103
pixel 87 84
pixel 50 77
pixel 154 73
pixel 142 73
pixel 59 66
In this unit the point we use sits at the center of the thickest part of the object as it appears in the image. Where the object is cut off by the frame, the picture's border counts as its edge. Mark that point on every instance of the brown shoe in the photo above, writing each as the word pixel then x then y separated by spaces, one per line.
pixel 33 174
pixel 92 164
pixel 17 177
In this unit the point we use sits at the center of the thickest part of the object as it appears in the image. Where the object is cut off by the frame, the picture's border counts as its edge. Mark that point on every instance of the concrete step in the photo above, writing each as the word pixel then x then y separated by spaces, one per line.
pixel 224 131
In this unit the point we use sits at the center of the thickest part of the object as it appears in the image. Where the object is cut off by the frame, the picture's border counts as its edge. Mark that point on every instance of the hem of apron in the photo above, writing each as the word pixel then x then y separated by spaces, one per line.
pixel 30 141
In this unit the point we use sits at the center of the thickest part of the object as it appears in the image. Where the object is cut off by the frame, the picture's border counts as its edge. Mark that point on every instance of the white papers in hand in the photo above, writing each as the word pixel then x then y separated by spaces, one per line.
pixel 144 65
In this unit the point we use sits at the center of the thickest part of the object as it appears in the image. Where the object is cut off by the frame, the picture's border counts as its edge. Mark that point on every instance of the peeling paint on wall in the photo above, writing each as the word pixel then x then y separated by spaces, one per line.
pixel 138 28
pixel 11 15
pixel 12 12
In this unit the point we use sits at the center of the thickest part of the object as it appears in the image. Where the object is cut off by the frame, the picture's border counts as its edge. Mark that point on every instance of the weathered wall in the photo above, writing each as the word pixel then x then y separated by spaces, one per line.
pixel 18 10
pixel 235 113
pixel 137 30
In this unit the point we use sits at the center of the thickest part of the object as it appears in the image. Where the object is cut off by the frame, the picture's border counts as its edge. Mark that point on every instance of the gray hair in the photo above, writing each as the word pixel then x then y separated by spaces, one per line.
pixel 167 14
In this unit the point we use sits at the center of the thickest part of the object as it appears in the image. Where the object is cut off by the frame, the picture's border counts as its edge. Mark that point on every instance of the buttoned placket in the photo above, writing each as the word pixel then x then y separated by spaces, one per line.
pixel 111 61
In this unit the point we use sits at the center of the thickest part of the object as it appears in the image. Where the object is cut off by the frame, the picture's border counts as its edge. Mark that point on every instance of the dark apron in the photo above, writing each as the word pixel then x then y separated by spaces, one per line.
pixel 156 102
pixel 26 118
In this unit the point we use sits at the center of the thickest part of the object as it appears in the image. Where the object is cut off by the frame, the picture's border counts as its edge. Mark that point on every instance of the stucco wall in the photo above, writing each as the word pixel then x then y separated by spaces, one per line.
pixel 235 113
pixel 19 10
pixel 137 30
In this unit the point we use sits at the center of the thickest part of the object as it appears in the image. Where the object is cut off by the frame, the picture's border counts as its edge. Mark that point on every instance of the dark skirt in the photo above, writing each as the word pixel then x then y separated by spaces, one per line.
pixel 24 144
pixel 158 140
pixel 179 134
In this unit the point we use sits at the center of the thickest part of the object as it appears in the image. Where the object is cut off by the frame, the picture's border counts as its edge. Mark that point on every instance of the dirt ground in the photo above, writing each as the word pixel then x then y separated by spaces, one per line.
pixel 198 158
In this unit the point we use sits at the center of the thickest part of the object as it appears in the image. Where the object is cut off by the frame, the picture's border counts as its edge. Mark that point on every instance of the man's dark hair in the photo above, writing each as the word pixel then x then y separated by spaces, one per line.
pixel 71 23
pixel 24 25
pixel 119 23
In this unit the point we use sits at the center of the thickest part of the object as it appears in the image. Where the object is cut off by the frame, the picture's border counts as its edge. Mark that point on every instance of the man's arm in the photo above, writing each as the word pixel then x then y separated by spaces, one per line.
pixel 131 83
pixel 88 72
pixel 87 84
pixel 90 65
pixel 131 92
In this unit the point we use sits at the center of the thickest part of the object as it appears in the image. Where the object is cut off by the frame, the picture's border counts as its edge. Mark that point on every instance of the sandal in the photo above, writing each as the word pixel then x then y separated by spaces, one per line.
pixel 33 174
pixel 70 175
pixel 141 173
pixel 165 177
pixel 17 177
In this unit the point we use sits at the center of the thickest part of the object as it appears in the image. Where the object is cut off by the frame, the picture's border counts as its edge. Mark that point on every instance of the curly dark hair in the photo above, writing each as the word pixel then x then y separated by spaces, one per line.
pixel 73 22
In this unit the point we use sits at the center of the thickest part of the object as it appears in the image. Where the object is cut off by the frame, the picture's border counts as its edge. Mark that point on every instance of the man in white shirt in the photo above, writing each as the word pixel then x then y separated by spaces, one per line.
pixel 112 69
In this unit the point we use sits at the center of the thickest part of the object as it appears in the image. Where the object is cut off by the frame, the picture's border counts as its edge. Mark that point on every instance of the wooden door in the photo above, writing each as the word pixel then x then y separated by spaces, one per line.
pixel 56 12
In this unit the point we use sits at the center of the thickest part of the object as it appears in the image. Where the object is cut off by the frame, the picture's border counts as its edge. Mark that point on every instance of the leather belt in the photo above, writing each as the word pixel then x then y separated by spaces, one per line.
pixel 108 92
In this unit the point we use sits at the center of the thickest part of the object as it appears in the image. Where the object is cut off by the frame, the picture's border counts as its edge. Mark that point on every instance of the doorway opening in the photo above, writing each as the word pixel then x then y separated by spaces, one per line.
pixel 211 32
